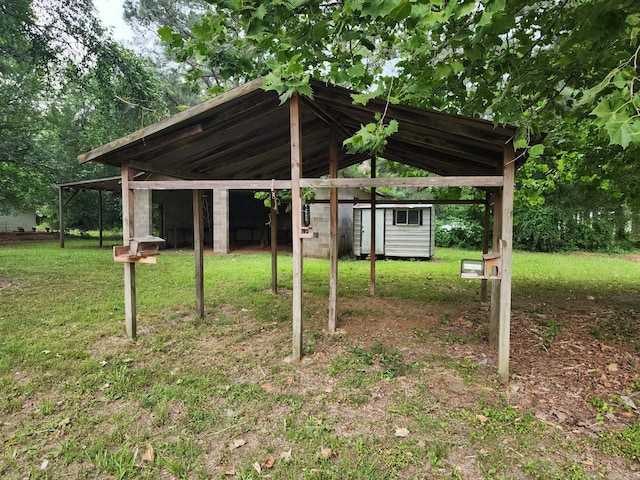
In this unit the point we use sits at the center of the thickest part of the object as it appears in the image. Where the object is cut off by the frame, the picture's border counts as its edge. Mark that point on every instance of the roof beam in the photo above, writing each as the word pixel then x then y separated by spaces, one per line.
pixel 479 181
pixel 173 120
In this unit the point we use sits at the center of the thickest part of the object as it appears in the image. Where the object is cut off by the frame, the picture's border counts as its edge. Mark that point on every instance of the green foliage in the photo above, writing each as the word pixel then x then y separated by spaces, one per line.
pixel 288 79
pixel 371 138
pixel 546 228
pixel 63 81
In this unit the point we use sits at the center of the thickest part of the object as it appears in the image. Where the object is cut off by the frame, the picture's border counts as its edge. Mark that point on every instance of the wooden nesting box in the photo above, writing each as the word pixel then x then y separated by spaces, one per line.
pixel 139 250
pixel 307 232
pixel 488 268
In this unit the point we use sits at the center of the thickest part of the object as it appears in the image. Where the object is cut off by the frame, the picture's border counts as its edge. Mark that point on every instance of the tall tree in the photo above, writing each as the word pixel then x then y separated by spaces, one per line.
pixel 65 87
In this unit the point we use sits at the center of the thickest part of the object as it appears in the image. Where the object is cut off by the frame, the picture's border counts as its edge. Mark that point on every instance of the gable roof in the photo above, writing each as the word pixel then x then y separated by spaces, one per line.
pixel 244 134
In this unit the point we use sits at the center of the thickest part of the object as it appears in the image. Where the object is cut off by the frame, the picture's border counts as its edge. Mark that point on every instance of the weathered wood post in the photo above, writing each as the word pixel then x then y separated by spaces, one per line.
pixel 128 227
pixel 333 233
pixel 61 216
pixel 494 315
pixel 100 216
pixel 296 222
pixel 274 245
pixel 485 241
pixel 198 250
pixel 372 273
pixel 504 329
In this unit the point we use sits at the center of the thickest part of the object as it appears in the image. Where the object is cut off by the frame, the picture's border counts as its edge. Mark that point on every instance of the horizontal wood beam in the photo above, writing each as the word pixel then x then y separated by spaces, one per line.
pixel 211 184
pixel 402 202
pixel 475 181
pixel 486 181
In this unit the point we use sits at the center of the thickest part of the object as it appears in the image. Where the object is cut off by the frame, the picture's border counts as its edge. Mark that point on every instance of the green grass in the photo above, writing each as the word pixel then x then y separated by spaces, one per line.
pixel 80 400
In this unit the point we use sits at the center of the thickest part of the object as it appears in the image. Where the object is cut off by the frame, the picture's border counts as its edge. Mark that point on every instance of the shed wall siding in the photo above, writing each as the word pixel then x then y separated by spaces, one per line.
pixel 11 222
pixel 399 240
pixel 357 229
pixel 409 240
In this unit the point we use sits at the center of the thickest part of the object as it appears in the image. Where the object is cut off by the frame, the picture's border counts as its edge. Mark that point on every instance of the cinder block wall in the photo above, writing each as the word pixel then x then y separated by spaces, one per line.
pixel 319 247
pixel 221 221
pixel 142 216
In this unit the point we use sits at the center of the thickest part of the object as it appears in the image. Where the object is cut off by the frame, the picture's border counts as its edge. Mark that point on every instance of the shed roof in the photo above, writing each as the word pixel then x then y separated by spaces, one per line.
pixel 244 134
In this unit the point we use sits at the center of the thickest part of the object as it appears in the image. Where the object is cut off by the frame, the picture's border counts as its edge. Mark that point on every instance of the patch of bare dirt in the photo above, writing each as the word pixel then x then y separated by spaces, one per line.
pixel 564 356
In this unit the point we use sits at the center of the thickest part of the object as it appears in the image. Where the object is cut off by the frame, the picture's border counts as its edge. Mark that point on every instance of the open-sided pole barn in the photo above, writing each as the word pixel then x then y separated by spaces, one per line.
pixel 246 139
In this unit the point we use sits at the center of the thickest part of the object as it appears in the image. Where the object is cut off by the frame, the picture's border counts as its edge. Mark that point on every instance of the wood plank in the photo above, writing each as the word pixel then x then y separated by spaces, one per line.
pixel 100 225
pixel 172 121
pixel 210 184
pixel 198 247
pixel 156 170
pixel 296 223
pixel 476 181
pixel 504 329
pixel 327 118
pixel 485 242
pixel 479 181
pixel 128 226
pixel 437 121
pixel 372 248
pixel 431 201
pixel 274 248
pixel 494 312
pixel 333 234
pixel 169 141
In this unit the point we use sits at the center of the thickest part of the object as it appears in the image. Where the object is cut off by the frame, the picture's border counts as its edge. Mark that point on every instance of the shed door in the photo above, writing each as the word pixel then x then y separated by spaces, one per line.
pixel 365 233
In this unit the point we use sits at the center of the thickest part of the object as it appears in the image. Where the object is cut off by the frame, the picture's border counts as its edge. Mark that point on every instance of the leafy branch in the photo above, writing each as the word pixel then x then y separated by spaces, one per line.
pixel 618 111
pixel 288 79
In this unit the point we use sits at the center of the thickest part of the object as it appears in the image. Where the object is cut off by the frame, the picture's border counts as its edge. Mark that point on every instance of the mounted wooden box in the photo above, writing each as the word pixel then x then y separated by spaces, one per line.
pixel 490 267
pixel 139 250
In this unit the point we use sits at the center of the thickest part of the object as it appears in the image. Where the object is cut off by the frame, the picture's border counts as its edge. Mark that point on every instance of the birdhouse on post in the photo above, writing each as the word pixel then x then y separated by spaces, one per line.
pixel 139 250
pixel 489 268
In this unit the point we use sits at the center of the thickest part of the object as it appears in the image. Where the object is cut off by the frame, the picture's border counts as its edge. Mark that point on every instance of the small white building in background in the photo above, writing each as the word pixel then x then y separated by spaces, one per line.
pixel 17 221
pixel 403 231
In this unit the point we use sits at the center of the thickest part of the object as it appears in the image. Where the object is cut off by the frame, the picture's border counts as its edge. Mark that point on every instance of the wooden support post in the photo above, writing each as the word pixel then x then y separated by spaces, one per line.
pixel 333 234
pixel 100 229
pixel 372 273
pixel 504 329
pixel 128 226
pixel 494 315
pixel 485 242
pixel 61 216
pixel 296 222
pixel 274 248
pixel 198 249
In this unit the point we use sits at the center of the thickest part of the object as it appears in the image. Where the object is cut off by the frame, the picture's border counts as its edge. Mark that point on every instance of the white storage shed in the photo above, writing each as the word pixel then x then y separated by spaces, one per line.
pixel 401 230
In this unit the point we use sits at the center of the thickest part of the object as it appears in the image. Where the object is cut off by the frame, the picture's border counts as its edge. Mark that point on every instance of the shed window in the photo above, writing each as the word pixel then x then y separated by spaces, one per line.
pixel 407 217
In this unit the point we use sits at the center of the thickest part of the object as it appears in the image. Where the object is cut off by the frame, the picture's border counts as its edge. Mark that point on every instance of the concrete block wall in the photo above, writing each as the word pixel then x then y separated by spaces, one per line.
pixel 221 221
pixel 319 247
pixel 142 213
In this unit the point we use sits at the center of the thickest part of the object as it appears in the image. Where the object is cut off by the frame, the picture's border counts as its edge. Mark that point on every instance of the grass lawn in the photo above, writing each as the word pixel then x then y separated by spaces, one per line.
pixel 406 388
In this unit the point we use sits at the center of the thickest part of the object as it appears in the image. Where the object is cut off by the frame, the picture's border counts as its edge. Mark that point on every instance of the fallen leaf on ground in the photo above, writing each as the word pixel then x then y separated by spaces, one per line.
pixel 267 387
pixel 268 463
pixel 612 367
pixel 230 473
pixel 326 452
pixel 482 418
pixel 257 467
pixel 238 443
pixel 402 432
pixel 149 455
pixel 286 456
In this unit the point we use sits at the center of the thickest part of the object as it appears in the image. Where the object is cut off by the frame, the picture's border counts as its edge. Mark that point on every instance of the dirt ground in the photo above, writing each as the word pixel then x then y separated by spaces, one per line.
pixel 557 361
